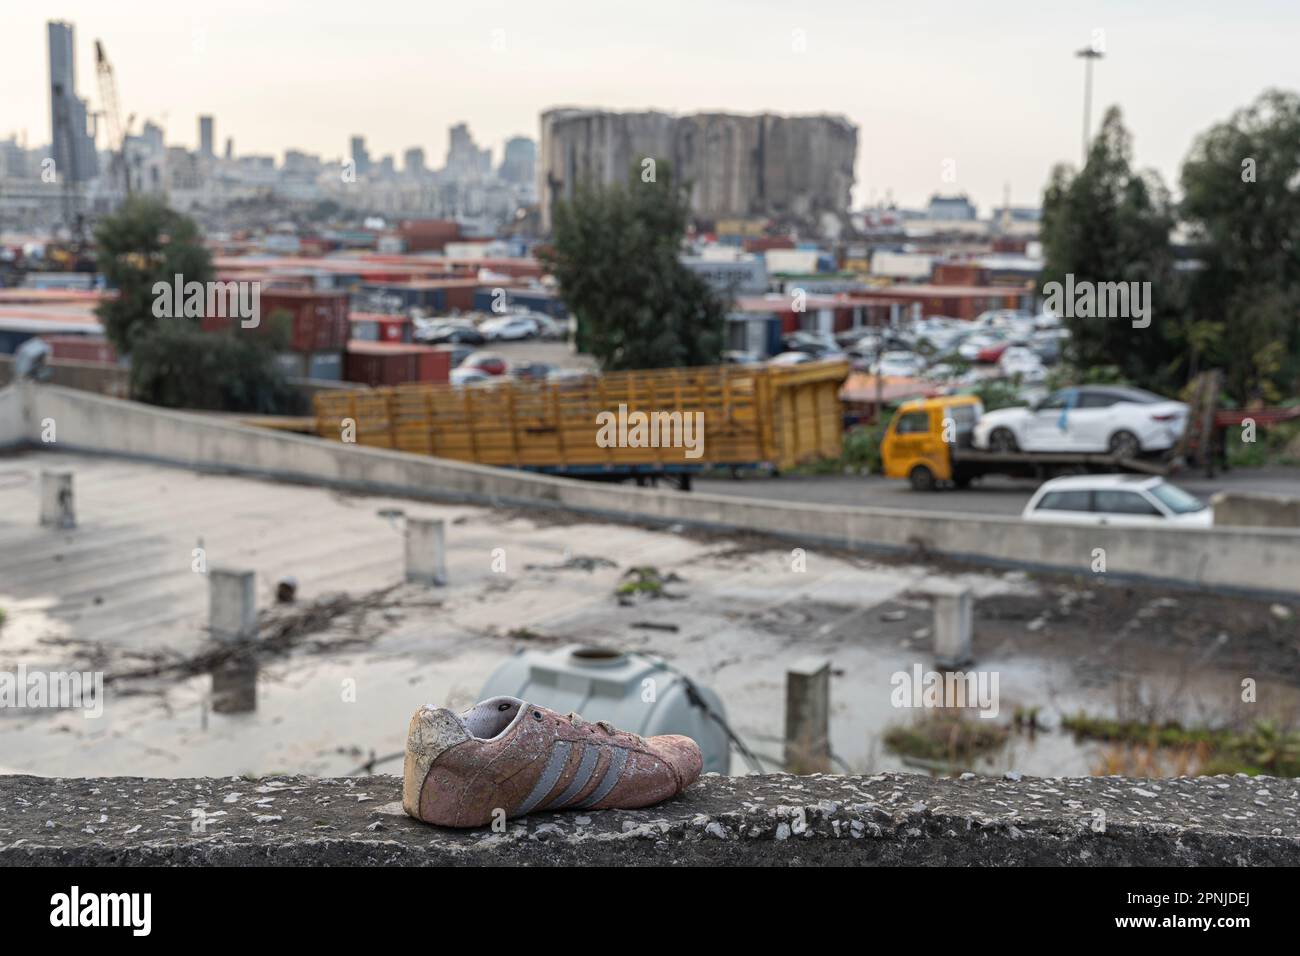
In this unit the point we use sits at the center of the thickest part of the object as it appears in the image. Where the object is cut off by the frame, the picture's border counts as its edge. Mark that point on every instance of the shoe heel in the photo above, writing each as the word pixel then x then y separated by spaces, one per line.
pixel 430 734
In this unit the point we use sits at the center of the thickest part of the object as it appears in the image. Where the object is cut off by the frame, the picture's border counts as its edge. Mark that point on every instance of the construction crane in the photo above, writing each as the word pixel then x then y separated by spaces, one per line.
pixel 117 133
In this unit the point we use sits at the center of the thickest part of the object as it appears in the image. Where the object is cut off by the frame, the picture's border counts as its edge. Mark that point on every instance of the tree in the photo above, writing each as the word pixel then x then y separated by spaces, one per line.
pixel 1241 188
pixel 616 254
pixel 144 242
pixel 173 362
pixel 179 366
pixel 1109 224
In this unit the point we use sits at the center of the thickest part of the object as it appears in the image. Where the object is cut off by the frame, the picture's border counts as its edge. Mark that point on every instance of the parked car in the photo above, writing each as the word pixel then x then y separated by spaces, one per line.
pixel 941 335
pixel 815 342
pixel 792 358
pixel 1047 346
pixel 449 333
pixel 982 344
pixel 469 376
pixel 534 371
pixel 569 375
pixel 487 362
pixel 741 357
pixel 510 328
pixel 549 329
pixel 1126 501
pixel 1020 361
pixel 1125 422
pixel 899 365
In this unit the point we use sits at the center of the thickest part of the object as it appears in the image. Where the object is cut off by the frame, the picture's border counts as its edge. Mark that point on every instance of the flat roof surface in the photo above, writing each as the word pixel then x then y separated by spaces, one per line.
pixel 117 594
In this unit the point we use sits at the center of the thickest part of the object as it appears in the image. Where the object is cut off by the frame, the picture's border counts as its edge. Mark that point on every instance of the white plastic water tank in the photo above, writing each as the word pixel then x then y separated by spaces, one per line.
pixel 632 691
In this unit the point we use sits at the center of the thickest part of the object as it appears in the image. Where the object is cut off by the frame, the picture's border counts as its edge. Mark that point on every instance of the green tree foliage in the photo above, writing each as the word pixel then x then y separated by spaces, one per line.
pixel 173 362
pixel 179 366
pixel 615 254
pixel 1106 224
pixel 1241 187
pixel 144 242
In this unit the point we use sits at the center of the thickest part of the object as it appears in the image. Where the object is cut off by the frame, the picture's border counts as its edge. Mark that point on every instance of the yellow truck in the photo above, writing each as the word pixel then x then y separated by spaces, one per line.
pixel 928 443
pixel 643 425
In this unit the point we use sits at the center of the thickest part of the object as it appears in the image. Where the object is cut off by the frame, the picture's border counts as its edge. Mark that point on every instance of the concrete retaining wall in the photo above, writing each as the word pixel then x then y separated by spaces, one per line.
pixel 1248 559
pixel 13 420
pixel 1256 511
pixel 888 819
pixel 86 376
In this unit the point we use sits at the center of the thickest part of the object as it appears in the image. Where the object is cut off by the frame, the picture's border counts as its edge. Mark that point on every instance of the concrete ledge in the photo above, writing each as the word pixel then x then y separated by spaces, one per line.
pixel 888 819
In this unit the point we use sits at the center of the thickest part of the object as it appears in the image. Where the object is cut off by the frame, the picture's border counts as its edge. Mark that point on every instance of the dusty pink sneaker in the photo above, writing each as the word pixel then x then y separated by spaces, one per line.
pixel 520 758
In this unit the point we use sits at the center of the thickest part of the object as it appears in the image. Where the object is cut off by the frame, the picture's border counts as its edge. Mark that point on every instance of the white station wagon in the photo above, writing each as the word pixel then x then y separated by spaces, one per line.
pixel 1125 501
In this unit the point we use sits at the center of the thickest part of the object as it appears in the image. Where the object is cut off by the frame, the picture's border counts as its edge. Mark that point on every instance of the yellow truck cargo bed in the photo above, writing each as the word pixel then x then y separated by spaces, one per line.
pixel 624 422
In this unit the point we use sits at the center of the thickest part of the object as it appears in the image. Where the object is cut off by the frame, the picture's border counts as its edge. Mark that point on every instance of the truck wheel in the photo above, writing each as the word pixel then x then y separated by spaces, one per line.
pixel 922 478
pixel 1124 445
pixel 1004 440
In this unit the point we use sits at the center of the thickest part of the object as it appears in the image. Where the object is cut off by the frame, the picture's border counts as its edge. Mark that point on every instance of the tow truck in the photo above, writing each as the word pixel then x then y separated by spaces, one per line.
pixel 928 442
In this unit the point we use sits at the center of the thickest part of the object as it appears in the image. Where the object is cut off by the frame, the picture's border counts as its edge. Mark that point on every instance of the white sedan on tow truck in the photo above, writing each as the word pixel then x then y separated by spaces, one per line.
pixel 1101 419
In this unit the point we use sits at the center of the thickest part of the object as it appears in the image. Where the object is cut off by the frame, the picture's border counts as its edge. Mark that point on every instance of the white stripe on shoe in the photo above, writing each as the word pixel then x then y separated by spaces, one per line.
pixel 586 767
pixel 608 782
pixel 550 776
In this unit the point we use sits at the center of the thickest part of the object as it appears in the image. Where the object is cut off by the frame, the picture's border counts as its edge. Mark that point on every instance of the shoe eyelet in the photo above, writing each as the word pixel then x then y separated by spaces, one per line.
pixel 503 707
pixel 537 715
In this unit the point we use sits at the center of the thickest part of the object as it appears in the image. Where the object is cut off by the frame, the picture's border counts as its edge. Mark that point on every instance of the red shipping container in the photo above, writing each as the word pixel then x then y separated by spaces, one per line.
pixel 318 320
pixel 390 363
pixel 428 235
pixel 959 273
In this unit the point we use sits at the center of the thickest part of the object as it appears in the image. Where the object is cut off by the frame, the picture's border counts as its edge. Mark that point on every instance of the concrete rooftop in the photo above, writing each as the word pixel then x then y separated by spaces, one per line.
pixel 118 594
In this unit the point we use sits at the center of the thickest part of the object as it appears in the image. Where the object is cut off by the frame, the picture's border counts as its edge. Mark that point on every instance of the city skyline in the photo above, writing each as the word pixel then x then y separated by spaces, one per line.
pixel 943 89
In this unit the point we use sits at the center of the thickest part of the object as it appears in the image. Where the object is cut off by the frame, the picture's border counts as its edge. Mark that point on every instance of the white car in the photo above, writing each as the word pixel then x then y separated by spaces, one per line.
pixel 1018 360
pixel 469 376
pixel 1125 501
pixel 899 365
pixel 1100 419
pixel 791 358
pixel 972 345
pixel 509 328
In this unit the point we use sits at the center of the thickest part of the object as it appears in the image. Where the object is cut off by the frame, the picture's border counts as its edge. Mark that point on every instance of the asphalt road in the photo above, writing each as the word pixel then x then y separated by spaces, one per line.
pixel 991 495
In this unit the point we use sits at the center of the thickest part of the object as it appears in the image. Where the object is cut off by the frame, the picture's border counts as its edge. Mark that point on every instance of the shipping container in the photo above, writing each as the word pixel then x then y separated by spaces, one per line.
pixel 384 363
pixel 376 327
pixel 317 320
pixel 321 366
pixel 427 235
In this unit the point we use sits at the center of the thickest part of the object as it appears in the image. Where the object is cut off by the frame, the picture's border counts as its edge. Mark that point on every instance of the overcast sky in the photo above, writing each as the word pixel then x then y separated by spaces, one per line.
pixel 991 85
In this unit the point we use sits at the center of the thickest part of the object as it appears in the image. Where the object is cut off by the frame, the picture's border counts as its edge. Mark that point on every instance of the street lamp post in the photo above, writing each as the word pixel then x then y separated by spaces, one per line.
pixel 1089 54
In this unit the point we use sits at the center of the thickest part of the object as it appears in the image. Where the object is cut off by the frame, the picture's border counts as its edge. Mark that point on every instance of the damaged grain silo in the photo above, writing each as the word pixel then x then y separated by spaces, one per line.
pixel 795 170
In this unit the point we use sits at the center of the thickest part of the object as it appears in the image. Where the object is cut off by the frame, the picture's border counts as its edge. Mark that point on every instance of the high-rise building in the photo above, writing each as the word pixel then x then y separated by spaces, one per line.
pixel 519 161
pixel 73 144
pixel 360 156
pixel 413 161
pixel 207 145
pixel 153 136
pixel 464 159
